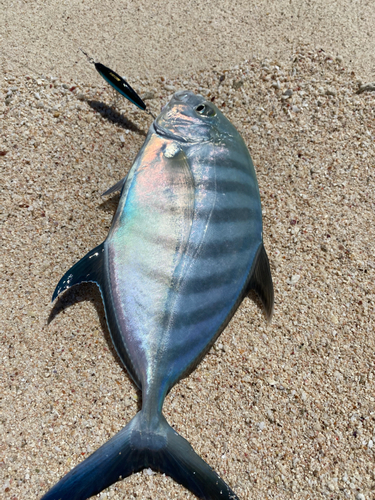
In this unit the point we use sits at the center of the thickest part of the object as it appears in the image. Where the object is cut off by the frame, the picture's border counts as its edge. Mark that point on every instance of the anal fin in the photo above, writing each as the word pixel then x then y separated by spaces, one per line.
pixel 261 281
pixel 88 269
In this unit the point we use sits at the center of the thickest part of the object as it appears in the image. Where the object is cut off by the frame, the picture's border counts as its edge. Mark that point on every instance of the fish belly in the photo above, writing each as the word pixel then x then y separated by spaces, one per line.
pixel 144 247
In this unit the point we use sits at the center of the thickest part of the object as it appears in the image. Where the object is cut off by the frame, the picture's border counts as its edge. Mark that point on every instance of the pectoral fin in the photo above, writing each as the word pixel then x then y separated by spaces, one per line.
pixel 115 187
pixel 261 281
pixel 89 268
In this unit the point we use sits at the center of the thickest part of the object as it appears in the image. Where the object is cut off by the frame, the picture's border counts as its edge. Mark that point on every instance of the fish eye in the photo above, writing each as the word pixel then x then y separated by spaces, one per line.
pixel 205 110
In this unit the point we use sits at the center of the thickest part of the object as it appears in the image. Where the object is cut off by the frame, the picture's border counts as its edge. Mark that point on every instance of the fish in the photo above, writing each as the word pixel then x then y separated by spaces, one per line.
pixel 184 249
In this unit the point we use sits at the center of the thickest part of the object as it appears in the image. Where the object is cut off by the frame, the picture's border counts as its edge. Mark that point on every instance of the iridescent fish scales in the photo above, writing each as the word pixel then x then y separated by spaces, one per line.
pixel 184 249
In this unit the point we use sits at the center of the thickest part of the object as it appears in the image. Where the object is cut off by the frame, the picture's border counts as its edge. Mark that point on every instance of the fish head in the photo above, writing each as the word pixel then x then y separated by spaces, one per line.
pixel 189 117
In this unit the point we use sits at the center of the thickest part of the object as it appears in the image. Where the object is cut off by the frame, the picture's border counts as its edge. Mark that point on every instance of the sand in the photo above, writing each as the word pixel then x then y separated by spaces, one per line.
pixel 285 410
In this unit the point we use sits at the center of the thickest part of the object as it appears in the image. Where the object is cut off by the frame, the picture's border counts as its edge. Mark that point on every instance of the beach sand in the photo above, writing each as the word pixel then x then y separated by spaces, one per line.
pixel 280 411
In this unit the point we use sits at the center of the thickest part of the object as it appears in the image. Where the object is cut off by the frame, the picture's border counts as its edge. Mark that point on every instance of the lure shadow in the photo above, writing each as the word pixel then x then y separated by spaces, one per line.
pixel 115 117
pixel 90 292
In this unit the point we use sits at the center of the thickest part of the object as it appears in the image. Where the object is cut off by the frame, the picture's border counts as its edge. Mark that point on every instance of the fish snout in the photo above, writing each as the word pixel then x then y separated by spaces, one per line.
pixel 183 95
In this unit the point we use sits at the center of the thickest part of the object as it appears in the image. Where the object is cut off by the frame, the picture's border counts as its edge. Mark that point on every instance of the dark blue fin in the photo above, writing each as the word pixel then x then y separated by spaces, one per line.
pixel 261 281
pixel 137 447
pixel 115 187
pixel 120 84
pixel 89 268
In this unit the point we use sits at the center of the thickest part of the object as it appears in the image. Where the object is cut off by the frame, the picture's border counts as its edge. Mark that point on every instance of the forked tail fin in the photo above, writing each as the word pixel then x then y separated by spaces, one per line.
pixel 134 448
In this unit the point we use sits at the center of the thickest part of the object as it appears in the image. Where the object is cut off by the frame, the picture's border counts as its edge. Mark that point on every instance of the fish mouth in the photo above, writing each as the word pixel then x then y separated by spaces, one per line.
pixel 167 134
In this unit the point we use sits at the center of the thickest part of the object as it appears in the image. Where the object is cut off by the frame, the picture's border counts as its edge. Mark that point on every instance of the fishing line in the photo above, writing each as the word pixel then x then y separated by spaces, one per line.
pixel 119 83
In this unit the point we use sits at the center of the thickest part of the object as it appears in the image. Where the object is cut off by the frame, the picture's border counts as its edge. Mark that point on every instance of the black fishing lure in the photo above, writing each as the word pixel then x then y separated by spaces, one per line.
pixel 119 83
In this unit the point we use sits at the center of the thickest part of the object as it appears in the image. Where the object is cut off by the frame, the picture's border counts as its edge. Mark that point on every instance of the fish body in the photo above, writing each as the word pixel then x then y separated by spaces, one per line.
pixel 184 249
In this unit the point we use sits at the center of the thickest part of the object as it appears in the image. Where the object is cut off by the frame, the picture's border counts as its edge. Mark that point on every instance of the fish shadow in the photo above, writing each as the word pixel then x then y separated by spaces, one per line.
pixel 113 116
pixel 110 205
pixel 89 292
pixel 254 297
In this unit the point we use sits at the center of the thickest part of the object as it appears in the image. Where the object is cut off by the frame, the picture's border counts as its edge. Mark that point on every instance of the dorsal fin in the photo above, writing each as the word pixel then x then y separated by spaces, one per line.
pixel 261 281
pixel 89 268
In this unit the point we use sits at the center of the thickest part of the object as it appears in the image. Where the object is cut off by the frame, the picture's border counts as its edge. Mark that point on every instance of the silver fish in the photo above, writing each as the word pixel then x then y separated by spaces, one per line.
pixel 184 249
